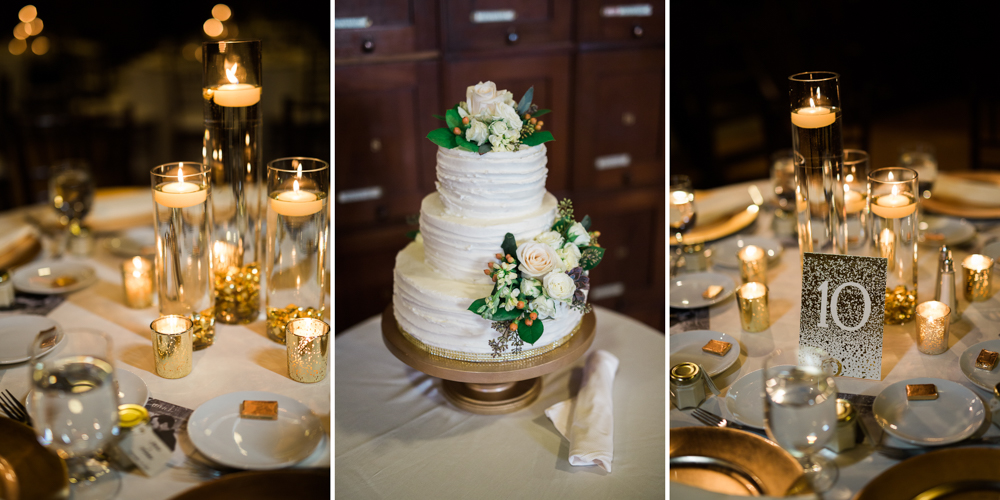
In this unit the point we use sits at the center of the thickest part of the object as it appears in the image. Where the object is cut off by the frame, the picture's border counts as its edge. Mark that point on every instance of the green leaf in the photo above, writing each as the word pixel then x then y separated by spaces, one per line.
pixel 525 102
pixel 412 234
pixel 476 305
pixel 485 148
pixel 442 137
pixel 590 257
pixel 509 246
pixel 530 334
pixel 452 118
pixel 586 222
pixel 541 112
pixel 505 315
pixel 439 117
pixel 538 138
pixel 466 145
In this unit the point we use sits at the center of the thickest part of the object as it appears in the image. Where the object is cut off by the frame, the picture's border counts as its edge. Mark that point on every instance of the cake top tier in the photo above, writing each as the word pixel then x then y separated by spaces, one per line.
pixel 493 186
pixel 490 121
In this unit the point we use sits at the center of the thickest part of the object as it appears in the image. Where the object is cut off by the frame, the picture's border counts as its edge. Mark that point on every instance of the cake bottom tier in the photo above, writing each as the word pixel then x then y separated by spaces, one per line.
pixel 434 310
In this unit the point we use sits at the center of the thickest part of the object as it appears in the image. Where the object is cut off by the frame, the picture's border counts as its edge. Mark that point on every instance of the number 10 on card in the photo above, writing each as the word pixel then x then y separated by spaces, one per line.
pixel 843 306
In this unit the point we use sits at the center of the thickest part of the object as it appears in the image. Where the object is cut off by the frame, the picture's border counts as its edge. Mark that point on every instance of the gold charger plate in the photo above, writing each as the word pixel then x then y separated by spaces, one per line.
pixel 720 228
pixel 300 484
pixel 957 208
pixel 954 473
pixel 38 473
pixel 733 462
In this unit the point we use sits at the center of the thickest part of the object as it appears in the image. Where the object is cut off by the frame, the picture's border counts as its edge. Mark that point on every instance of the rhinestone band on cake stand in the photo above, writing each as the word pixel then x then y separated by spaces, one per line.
pixel 488 388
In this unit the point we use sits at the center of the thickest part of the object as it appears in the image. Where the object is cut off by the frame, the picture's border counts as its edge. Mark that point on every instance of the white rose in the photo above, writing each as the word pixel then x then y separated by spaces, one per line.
pixel 545 306
pixel 499 128
pixel 531 288
pixel 477 132
pixel 483 97
pixel 550 238
pixel 559 286
pixel 507 113
pixel 508 98
pixel 537 259
pixel 582 237
pixel 570 255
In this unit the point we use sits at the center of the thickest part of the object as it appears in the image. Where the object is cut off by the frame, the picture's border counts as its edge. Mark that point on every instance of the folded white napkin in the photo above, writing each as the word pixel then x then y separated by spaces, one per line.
pixel 968 191
pixel 587 420
pixel 15 243
pixel 715 204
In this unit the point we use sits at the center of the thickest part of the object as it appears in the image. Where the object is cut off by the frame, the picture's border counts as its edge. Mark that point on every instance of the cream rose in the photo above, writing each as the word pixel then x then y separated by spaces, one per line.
pixel 499 128
pixel 537 259
pixel 570 255
pixel 507 113
pixel 550 238
pixel 530 288
pixel 483 97
pixel 582 237
pixel 477 132
pixel 545 306
pixel 559 286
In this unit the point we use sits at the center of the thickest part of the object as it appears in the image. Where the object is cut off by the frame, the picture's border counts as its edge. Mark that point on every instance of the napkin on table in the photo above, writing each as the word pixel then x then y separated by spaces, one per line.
pixel 587 419
pixel 17 245
pixel 968 191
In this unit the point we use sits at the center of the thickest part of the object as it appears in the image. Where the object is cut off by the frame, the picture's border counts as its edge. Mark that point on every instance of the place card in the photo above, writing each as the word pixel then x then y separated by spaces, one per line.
pixel 146 450
pixel 843 306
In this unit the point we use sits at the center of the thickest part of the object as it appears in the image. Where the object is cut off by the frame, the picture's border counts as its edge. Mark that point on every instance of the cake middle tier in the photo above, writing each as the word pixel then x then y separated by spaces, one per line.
pixel 459 248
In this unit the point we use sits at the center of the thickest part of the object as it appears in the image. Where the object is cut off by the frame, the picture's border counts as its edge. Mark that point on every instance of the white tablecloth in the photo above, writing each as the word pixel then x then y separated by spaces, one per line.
pixel 242 359
pixel 396 436
pixel 900 358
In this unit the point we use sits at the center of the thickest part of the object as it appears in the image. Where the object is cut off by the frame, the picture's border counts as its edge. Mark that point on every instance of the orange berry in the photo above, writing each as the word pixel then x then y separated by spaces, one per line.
pixel 489 265
pixel 540 123
pixel 513 326
pixel 598 245
pixel 520 304
pixel 597 234
pixel 487 271
pixel 465 121
pixel 510 260
pixel 533 121
pixel 499 256
pixel 528 322
pixel 494 279
pixel 533 315
pixel 457 131
pixel 527 116
pixel 538 127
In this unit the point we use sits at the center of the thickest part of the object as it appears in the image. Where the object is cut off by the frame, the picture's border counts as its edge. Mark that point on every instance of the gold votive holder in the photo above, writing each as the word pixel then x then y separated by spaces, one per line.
pixel 753 264
pixel 754 314
pixel 137 278
pixel 307 341
pixel 172 345
pixel 933 319
pixel 977 269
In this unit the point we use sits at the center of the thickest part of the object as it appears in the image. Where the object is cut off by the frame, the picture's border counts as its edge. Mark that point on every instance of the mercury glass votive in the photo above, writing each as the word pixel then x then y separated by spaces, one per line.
pixel 754 313
pixel 172 345
pixel 977 269
pixel 933 319
pixel 307 342
pixel 753 264
pixel 137 278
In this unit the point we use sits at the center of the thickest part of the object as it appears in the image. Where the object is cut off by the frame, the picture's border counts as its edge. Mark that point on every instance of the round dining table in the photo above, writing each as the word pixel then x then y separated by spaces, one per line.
pixel 901 360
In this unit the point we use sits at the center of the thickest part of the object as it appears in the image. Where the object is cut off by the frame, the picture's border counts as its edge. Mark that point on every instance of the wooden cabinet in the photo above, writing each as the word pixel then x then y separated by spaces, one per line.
pixel 625 23
pixel 489 25
pixel 619 125
pixel 363 268
pixel 379 29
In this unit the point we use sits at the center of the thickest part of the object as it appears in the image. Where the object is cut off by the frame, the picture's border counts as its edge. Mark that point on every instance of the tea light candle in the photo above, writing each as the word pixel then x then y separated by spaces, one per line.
pixel 235 94
pixel 172 346
pixel 180 194
pixel 853 200
pixel 977 270
pixel 137 276
pixel 307 343
pixel 932 327
pixel 753 264
pixel 894 206
pixel 813 117
pixel 296 203
pixel 754 313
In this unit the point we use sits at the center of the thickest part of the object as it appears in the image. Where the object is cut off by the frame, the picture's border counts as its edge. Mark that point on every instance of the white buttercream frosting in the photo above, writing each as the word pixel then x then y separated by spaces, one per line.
pixel 493 185
pixel 459 248
pixel 435 309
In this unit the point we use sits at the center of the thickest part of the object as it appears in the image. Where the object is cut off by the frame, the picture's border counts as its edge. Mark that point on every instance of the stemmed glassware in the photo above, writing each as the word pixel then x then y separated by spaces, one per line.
pixel 75 403
pixel 71 193
pixel 682 209
pixel 800 411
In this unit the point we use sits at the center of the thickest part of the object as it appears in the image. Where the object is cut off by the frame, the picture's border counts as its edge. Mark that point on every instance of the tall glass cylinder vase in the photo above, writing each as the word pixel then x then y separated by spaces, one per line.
pixel 819 158
pixel 231 147
pixel 297 242
pixel 892 205
pixel 855 194
pixel 182 200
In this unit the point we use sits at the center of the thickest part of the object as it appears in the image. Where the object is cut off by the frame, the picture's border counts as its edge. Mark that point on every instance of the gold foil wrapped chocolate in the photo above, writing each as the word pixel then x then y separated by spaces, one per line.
pixel 711 291
pixel 921 392
pixel 717 347
pixel 987 360
pixel 307 343
pixel 172 346
pixel 259 410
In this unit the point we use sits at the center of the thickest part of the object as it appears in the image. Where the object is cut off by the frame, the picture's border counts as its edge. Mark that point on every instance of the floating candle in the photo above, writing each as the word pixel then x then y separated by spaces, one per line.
pixel 296 203
pixel 180 194
pixel 853 201
pixel 894 206
pixel 235 94
pixel 813 117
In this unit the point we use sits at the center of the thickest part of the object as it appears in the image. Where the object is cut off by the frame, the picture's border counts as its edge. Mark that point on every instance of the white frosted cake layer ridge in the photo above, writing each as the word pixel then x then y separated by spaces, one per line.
pixel 434 309
pixel 493 185
pixel 459 248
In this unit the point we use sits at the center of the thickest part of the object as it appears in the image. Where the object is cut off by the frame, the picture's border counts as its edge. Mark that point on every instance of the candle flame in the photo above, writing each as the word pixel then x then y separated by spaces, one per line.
pixel 137 262
pixel 180 173
pixel 890 176
pixel 295 186
pixel 231 73
pixel 812 104
pixel 895 189
pixel 847 188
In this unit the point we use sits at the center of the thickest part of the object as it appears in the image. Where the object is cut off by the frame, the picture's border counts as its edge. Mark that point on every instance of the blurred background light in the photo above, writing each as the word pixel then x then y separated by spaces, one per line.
pixel 213 27
pixel 27 13
pixel 17 47
pixel 222 12
pixel 40 45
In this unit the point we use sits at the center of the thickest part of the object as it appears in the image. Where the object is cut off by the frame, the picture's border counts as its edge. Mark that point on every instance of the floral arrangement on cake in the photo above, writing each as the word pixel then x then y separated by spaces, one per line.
pixel 534 276
pixel 490 121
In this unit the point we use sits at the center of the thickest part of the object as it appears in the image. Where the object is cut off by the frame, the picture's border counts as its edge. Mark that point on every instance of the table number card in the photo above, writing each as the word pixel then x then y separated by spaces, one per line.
pixel 843 306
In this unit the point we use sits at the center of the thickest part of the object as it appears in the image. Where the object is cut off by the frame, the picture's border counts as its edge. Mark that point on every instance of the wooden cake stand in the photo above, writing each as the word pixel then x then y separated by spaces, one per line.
pixel 488 388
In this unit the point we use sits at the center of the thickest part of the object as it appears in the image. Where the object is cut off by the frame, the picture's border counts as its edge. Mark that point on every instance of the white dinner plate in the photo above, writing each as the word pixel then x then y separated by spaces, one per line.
pixel 744 403
pixel 132 242
pixel 724 252
pixel 686 347
pixel 18 332
pixel 983 378
pixel 946 231
pixel 686 289
pixel 44 277
pixel 131 391
pixel 219 433
pixel 952 417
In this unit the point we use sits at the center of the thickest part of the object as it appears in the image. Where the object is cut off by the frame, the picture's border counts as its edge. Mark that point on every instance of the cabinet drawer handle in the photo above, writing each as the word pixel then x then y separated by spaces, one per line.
pixel 512 36
pixel 376 145
pixel 368 45
pixel 628 118
pixel 637 31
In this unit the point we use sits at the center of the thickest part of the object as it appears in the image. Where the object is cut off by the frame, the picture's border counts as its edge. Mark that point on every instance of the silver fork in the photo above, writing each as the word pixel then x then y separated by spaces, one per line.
pixel 708 418
pixel 13 408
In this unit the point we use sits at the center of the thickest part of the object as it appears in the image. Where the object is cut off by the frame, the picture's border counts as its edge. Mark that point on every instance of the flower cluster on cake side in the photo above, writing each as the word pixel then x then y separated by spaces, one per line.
pixel 532 277
pixel 490 121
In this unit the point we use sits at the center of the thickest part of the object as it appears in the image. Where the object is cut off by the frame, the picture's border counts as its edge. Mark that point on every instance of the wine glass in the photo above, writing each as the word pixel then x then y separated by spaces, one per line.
pixel 682 211
pixel 76 406
pixel 71 192
pixel 800 410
